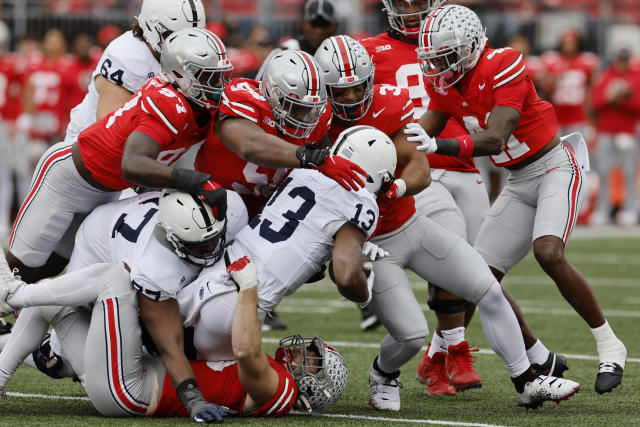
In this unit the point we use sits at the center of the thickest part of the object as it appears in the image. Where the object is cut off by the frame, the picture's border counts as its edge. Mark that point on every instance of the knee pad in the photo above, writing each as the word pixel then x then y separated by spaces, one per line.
pixel 446 306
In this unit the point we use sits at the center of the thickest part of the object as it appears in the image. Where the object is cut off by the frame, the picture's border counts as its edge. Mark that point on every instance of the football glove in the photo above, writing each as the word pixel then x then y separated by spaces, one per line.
pixel 368 271
pixel 373 251
pixel 244 273
pixel 337 168
pixel 397 189
pixel 427 143
pixel 200 185
pixel 199 409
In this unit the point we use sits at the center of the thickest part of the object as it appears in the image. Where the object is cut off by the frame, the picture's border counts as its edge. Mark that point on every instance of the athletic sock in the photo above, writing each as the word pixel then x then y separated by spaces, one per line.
pixel 453 336
pixel 437 344
pixel 538 353
pixel 610 348
pixel 520 380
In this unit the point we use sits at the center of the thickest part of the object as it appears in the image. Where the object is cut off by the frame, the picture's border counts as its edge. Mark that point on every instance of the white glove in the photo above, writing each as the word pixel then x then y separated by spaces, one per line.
pixel 427 143
pixel 373 251
pixel 368 268
pixel 244 273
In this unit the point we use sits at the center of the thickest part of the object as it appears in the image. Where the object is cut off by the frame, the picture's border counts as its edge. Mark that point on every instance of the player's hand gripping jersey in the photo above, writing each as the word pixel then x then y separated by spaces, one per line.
pixel 391 109
pixel 242 99
pixel 157 110
pixel 293 236
pixel 499 79
pixel 126 62
pixel 220 383
pixel 397 64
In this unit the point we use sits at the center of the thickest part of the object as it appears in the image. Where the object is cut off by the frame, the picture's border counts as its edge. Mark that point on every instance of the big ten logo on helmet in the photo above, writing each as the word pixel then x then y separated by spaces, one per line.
pixel 269 122
pixel 383 48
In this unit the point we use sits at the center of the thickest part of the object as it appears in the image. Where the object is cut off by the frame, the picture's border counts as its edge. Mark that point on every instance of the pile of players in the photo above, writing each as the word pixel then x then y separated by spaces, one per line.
pixel 319 161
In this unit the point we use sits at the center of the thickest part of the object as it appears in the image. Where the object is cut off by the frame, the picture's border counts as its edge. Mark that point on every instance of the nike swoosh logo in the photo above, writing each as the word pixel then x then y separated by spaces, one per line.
pixel 481 87
pixel 549 170
pixel 479 181
pixel 378 113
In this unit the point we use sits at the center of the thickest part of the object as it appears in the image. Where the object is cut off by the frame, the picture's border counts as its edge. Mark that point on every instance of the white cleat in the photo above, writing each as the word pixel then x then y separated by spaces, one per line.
pixel 384 392
pixel 544 388
pixel 8 284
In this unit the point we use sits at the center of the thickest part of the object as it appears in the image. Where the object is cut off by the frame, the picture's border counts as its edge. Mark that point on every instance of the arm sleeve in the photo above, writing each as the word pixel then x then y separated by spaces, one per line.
pixel 513 95
pixel 154 129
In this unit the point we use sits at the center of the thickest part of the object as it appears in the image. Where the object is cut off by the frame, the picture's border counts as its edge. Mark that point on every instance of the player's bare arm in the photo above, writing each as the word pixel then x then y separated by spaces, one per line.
pixel 346 264
pixel 162 320
pixel 433 122
pixel 110 96
pixel 416 174
pixel 139 164
pixel 256 375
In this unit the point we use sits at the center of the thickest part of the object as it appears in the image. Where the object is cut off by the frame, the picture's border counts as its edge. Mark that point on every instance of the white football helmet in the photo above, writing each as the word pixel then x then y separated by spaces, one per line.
pixel 159 18
pixel 373 151
pixel 196 61
pixel 451 41
pixel 346 63
pixel 318 369
pixel 192 228
pixel 294 88
pixel 405 16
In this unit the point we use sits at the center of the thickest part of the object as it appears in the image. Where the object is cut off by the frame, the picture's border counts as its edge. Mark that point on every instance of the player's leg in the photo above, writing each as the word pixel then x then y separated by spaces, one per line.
pixel 470 194
pixel 437 203
pixel 441 254
pixel 395 305
pixel 628 150
pixel 561 193
pixel 604 160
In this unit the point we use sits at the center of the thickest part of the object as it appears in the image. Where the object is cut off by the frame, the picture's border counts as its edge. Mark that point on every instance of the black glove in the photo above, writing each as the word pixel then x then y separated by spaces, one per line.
pixel 199 184
pixel 199 409
pixel 310 156
pixel 46 360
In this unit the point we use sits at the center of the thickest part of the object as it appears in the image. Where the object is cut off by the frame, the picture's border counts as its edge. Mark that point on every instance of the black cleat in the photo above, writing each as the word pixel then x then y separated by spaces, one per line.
pixel 272 323
pixel 609 377
pixel 555 365
pixel 369 319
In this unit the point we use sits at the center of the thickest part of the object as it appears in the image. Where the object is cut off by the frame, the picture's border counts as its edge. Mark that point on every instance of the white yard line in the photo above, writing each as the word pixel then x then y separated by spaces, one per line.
pixel 606 232
pixel 339 344
pixel 343 416
pixel 395 420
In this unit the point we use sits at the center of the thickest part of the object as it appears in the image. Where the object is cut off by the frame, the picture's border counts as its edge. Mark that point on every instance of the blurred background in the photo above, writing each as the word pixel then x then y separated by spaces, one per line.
pixel 583 56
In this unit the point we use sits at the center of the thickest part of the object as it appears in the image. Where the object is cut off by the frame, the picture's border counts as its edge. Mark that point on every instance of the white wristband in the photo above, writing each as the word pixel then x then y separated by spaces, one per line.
pixel 402 187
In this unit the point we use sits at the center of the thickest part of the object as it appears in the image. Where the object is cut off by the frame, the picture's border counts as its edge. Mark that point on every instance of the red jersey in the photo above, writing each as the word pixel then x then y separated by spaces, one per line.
pixel 12 68
pixel 499 79
pixel 396 64
pixel 255 184
pixel 51 85
pixel 157 110
pixel 623 117
pixel 222 385
pixel 572 76
pixel 391 109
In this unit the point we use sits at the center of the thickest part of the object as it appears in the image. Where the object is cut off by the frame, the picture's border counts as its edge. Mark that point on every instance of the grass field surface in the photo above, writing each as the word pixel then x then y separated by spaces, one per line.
pixel 611 264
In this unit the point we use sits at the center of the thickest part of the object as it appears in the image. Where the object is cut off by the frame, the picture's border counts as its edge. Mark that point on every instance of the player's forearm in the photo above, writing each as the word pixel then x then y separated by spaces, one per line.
pixel 416 175
pixel 245 332
pixel 146 171
pixel 484 143
pixel 267 150
pixel 349 278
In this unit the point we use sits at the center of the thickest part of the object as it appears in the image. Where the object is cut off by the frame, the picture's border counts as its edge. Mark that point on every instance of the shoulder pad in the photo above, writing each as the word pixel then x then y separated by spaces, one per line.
pixel 506 66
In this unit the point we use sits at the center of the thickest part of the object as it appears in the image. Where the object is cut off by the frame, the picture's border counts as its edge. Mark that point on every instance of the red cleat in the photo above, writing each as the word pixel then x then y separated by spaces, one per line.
pixel 431 372
pixel 459 366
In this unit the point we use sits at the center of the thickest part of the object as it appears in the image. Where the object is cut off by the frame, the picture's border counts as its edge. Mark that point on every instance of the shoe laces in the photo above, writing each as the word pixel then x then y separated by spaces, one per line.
pixel 465 358
pixel 607 368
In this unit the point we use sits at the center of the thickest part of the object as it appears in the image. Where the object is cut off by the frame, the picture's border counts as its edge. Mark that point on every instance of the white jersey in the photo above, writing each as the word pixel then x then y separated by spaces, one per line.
pixel 293 236
pixel 127 62
pixel 122 232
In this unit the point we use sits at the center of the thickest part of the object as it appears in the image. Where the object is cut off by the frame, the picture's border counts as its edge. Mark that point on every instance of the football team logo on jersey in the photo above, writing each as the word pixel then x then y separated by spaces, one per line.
pixel 383 48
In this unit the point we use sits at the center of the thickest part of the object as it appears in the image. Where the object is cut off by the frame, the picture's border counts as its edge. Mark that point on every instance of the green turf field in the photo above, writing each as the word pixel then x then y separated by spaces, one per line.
pixel 612 265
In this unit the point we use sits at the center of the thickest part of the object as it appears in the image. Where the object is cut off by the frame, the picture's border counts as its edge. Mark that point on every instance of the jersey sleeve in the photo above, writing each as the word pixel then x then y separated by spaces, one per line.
pixel 156 130
pixel 240 99
pixel 512 95
pixel 124 63
pixel 322 128
pixel 284 397
pixel 166 106
pixel 510 67
pixel 436 101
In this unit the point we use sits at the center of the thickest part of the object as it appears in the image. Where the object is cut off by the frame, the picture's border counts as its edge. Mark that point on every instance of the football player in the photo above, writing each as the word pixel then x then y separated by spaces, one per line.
pixel 415 242
pixel 538 207
pixel 307 221
pixel 456 198
pixel 264 127
pixel 133 145
pixel 122 381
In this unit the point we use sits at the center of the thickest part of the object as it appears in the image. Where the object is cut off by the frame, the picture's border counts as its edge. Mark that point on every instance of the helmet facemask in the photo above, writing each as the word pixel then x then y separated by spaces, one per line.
pixel 405 16
pixel 294 117
pixel 444 67
pixel 204 254
pixel 205 85
pixel 357 110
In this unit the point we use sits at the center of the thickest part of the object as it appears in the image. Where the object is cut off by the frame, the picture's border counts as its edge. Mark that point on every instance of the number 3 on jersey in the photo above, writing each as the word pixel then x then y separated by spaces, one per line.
pixel 293 217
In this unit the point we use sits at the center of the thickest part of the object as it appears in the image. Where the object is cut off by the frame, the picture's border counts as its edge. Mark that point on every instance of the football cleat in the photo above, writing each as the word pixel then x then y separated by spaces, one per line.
pixel 544 388
pixel 555 365
pixel 384 391
pixel 431 372
pixel 609 377
pixel 272 323
pixel 8 284
pixel 459 367
pixel 369 319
